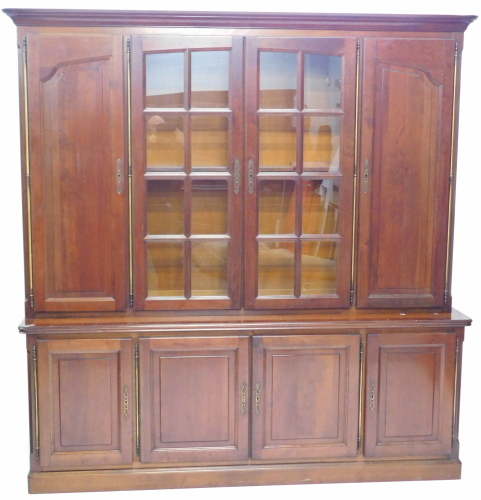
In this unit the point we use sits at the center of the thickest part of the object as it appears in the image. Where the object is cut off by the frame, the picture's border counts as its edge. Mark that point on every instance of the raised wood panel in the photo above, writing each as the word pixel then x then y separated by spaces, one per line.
pixel 191 399
pixel 305 396
pixel 409 394
pixel 77 148
pixel 405 157
pixel 86 398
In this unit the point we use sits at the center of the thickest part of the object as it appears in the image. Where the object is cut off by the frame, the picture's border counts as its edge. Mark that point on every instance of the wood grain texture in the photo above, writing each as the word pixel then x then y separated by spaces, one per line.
pixel 77 146
pixel 81 402
pixel 409 395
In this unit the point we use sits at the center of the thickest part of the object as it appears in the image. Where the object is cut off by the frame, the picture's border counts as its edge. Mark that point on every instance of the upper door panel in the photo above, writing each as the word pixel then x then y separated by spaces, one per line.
pixel 300 104
pixel 406 155
pixel 187 147
pixel 79 208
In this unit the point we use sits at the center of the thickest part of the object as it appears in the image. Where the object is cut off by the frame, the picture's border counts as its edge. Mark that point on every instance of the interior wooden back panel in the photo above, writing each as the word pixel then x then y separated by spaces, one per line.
pixel 76 147
pixel 405 162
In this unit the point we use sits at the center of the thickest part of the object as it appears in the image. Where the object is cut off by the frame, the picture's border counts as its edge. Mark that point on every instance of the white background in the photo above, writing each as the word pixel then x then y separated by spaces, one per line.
pixel 14 444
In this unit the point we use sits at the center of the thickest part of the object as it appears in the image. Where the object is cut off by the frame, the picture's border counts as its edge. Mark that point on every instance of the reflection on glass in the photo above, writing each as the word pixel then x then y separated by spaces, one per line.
pixel 164 142
pixel 209 207
pixel 209 268
pixel 276 268
pixel 320 206
pixel 164 80
pixel 322 81
pixel 209 144
pixel 319 267
pixel 321 143
pixel 165 269
pixel 210 79
pixel 165 207
pixel 277 204
pixel 277 143
pixel 278 80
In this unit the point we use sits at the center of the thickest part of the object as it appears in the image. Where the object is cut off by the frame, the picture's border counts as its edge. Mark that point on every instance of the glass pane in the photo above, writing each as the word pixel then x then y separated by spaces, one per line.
pixel 209 268
pixel 278 80
pixel 209 141
pixel 319 267
pixel 164 141
pixel 276 268
pixel 165 269
pixel 320 206
pixel 164 80
pixel 322 81
pixel 277 207
pixel 321 143
pixel 209 207
pixel 210 79
pixel 277 143
pixel 165 207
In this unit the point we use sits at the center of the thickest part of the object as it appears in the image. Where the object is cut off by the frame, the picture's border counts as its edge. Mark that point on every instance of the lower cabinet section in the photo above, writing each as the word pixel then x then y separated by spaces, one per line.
pixel 305 396
pixel 409 395
pixel 193 396
pixel 85 398
pixel 246 403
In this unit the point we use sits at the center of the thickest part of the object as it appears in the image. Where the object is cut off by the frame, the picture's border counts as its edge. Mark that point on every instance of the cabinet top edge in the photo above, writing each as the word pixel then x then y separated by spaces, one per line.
pixel 358 22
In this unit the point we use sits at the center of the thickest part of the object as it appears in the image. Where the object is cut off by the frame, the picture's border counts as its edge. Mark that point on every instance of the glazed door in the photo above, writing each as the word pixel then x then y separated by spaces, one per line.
pixel 77 172
pixel 409 394
pixel 305 396
pixel 187 130
pixel 86 402
pixel 405 168
pixel 193 394
pixel 300 102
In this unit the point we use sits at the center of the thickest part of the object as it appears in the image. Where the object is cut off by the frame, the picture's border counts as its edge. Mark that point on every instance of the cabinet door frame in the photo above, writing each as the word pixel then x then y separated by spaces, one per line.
pixel 71 164
pixel 433 357
pixel 346 48
pixel 402 246
pixel 344 353
pixel 115 356
pixel 143 45
pixel 162 362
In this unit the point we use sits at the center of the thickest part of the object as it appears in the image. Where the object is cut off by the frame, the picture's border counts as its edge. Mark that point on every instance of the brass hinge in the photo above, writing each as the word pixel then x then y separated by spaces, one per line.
pixel 128 47
pixel 351 298
pixel 24 44
pixel 137 402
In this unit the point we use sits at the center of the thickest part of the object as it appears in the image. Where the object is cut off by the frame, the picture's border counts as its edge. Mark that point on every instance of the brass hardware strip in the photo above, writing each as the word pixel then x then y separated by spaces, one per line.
pixel 372 396
pixel 455 396
pixel 137 401
pixel 35 402
pixel 356 154
pixel 361 385
pixel 130 159
pixel 451 178
pixel 27 173
pixel 126 402
pixel 258 399
pixel 243 398
pixel 236 176
pixel 250 182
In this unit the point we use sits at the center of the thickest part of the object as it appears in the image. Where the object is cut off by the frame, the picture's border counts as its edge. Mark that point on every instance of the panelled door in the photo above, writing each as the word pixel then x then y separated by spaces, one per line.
pixel 409 394
pixel 77 172
pixel 405 166
pixel 300 123
pixel 187 152
pixel 305 396
pixel 86 402
pixel 194 399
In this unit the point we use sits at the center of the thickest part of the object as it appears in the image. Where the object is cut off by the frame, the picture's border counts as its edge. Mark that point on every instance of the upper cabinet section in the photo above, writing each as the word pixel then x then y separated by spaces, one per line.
pixel 209 161
pixel 407 140
pixel 77 172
